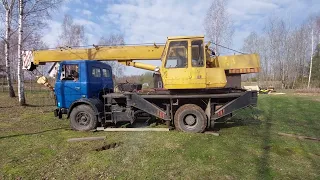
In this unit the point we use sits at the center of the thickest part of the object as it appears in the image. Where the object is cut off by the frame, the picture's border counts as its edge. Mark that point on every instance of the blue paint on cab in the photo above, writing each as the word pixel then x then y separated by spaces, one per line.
pixel 94 78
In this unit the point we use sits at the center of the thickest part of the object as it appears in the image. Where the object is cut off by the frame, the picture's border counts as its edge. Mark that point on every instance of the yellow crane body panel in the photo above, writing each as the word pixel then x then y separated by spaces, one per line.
pixel 193 78
pixel 215 78
pixel 244 63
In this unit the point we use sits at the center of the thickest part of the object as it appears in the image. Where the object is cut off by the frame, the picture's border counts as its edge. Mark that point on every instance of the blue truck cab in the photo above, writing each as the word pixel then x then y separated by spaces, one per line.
pixel 81 80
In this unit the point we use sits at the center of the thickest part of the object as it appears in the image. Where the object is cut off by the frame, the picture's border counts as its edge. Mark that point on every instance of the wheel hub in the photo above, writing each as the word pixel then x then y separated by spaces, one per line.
pixel 190 120
pixel 83 118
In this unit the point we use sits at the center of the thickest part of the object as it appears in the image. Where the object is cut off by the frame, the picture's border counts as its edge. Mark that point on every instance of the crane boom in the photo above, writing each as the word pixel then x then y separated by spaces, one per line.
pixel 123 54
pixel 119 53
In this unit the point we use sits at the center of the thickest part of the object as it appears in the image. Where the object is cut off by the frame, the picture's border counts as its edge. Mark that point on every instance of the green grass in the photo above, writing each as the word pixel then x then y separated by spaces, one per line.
pixel 33 145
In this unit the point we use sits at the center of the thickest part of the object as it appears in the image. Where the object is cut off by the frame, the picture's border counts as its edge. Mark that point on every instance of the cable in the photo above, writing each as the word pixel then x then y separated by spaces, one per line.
pixel 102 45
pixel 106 45
pixel 74 54
pixel 228 48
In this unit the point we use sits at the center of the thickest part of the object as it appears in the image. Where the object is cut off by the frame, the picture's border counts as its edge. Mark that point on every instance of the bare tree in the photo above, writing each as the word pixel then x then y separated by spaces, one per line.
pixel 314 25
pixel 278 33
pixel 114 40
pixel 9 8
pixel 298 44
pixel 218 25
pixel 32 14
pixel 316 67
pixel 250 44
pixel 284 53
pixel 36 12
pixel 24 19
pixel 317 28
pixel 72 34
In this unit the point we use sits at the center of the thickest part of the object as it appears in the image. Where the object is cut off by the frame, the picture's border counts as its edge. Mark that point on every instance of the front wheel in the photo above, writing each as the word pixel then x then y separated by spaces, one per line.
pixel 83 118
pixel 190 118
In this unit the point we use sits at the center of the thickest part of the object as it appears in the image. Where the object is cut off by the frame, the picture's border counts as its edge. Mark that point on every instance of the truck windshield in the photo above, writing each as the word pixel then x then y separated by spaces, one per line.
pixel 177 56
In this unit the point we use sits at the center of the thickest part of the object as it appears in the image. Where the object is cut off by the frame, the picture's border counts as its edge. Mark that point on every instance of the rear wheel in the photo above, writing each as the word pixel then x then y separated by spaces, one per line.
pixel 190 118
pixel 83 118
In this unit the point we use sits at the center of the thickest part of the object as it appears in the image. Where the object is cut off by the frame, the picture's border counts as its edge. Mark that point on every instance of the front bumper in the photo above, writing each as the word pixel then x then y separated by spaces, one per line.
pixel 59 111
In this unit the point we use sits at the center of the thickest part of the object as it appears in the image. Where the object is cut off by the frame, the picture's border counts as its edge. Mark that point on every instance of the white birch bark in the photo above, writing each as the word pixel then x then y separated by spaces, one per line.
pixel 22 100
pixel 8 8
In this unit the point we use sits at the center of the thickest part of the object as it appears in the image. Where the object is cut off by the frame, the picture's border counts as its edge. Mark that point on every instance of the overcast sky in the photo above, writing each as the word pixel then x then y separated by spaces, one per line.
pixel 145 21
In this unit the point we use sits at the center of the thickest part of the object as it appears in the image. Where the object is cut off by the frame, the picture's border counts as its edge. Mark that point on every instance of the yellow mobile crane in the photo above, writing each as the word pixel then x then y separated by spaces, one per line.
pixel 201 87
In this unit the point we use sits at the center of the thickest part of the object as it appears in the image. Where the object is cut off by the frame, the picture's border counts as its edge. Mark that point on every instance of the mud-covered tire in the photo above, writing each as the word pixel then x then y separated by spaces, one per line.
pixel 83 118
pixel 190 118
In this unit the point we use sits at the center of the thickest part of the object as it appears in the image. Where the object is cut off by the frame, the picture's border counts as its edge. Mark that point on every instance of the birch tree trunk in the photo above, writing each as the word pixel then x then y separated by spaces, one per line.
pixel 7 49
pixel 22 100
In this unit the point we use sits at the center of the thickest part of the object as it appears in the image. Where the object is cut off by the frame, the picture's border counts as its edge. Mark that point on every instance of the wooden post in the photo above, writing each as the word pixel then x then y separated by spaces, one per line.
pixel 298 137
pixel 2 84
pixel 30 84
pixel 87 139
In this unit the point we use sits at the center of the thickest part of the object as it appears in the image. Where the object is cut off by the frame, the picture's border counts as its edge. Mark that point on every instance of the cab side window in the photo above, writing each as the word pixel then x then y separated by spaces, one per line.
pixel 197 53
pixel 177 55
pixel 69 72
pixel 96 72
pixel 106 73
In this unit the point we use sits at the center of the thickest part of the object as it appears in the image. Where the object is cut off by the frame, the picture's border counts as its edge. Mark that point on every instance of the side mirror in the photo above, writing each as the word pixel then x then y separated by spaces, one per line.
pixel 157 69
pixel 213 53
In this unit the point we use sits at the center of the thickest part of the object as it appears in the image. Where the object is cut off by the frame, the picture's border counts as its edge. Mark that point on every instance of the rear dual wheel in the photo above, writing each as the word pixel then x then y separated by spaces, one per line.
pixel 190 118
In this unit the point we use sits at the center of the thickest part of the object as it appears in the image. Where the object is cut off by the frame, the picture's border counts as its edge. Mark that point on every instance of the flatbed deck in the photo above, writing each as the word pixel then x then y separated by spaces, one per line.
pixel 175 96
pixel 165 94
